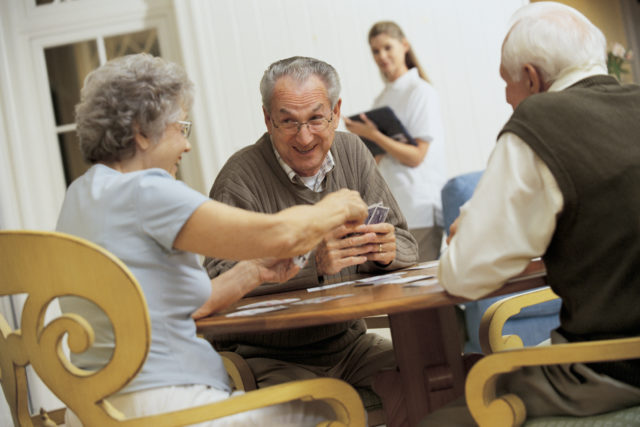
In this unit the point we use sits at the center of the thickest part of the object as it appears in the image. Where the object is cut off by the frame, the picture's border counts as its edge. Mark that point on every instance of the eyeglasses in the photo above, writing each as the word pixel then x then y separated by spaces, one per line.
pixel 291 127
pixel 185 128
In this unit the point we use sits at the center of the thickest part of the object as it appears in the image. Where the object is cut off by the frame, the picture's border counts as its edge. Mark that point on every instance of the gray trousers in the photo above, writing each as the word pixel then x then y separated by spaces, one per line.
pixel 429 242
pixel 367 356
pixel 571 389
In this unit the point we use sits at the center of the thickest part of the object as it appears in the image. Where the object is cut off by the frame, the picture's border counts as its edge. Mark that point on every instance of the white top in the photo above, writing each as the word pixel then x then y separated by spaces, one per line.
pixel 511 217
pixel 137 217
pixel 417 190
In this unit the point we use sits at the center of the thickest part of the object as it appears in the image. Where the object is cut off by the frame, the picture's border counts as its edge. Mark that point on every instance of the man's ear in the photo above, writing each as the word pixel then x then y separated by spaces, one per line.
pixel 336 112
pixel 534 79
pixel 267 120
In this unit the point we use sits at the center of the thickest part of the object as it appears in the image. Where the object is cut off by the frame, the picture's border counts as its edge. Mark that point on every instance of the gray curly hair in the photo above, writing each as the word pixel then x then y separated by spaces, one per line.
pixel 130 94
pixel 299 68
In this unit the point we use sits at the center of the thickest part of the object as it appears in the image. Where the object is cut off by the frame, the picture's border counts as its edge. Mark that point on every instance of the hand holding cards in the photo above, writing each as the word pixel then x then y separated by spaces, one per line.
pixel 377 214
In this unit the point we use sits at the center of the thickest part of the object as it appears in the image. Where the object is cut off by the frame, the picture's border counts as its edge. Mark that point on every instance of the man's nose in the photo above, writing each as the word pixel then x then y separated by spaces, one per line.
pixel 304 134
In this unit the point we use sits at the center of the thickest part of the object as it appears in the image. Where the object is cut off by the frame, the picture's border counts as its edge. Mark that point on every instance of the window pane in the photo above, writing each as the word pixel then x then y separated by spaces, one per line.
pixel 67 67
pixel 74 164
pixel 125 44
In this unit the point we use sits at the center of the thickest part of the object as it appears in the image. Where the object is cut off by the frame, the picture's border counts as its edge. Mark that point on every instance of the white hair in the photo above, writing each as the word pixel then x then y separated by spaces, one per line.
pixel 554 38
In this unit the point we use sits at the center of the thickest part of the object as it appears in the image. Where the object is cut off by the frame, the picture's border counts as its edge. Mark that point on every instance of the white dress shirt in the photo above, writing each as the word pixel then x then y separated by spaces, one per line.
pixel 511 217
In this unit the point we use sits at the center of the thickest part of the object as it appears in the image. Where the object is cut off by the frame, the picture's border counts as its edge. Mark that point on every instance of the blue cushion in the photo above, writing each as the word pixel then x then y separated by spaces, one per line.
pixel 455 193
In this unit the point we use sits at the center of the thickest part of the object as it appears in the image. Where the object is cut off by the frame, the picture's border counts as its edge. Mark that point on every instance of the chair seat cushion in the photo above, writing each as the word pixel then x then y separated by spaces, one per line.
pixel 621 418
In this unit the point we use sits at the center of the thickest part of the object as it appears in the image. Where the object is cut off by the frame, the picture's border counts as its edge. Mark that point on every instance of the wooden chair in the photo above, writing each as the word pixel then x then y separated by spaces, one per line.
pixel 506 354
pixel 47 265
pixel 243 379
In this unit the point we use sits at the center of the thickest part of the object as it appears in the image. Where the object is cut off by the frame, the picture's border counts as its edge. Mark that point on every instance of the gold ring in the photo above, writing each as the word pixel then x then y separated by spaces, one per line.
pixel 380 248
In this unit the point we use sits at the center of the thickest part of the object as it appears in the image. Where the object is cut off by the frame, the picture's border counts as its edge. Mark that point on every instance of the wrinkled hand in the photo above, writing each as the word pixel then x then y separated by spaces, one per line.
pixel 350 200
pixel 349 245
pixel 233 284
pixel 274 270
pixel 453 229
pixel 384 246
pixel 366 128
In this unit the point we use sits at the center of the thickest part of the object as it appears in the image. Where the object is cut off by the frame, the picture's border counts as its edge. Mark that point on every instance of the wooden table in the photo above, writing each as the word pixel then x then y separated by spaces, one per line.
pixel 423 326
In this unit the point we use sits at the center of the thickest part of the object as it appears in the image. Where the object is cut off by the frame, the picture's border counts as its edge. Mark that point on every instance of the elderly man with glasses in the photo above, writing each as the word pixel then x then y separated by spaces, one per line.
pixel 300 159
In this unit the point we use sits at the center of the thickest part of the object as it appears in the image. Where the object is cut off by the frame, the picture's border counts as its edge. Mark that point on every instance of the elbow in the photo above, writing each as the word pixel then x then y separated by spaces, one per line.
pixel 413 163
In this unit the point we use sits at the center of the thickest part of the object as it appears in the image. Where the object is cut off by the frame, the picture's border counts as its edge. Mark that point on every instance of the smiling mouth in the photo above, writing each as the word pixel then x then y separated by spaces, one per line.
pixel 299 150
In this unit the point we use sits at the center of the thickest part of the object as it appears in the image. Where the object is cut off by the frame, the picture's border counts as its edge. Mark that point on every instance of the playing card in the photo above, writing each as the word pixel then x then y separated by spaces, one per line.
pixel 372 209
pixel 379 215
pixel 254 311
pixel 269 303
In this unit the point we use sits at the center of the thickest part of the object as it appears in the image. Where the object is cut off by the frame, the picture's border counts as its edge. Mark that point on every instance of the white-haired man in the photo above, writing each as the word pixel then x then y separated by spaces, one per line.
pixel 563 183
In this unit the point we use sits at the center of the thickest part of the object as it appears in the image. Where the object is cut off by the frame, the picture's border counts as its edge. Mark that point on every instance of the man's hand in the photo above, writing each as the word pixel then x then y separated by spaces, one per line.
pixel 384 246
pixel 453 229
pixel 349 245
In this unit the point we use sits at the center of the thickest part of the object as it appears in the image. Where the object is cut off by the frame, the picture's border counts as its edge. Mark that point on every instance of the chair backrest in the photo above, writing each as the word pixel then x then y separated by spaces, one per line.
pixel 455 193
pixel 47 265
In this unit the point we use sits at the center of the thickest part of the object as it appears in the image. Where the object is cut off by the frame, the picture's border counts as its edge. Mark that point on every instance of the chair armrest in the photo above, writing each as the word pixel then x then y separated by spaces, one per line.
pixel 342 398
pixel 493 320
pixel 239 371
pixel 509 410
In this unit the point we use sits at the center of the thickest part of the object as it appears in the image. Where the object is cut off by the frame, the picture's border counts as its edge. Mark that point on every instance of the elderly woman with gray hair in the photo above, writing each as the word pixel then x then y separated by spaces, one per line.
pixel 132 126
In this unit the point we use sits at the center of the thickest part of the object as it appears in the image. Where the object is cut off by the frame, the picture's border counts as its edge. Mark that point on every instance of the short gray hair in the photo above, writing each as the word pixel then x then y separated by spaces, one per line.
pixel 553 37
pixel 130 94
pixel 299 68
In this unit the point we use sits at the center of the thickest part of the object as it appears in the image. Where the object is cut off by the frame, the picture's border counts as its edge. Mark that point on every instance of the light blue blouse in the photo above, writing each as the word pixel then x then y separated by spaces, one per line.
pixel 137 217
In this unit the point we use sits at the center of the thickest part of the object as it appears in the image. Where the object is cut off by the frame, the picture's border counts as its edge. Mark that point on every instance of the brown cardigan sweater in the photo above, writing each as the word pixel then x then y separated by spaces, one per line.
pixel 253 179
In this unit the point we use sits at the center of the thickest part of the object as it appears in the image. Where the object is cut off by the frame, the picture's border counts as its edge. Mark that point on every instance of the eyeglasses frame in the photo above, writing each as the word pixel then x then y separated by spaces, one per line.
pixel 300 124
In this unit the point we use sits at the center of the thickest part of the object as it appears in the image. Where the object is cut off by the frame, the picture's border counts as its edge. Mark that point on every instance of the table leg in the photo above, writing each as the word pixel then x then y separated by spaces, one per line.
pixel 430 369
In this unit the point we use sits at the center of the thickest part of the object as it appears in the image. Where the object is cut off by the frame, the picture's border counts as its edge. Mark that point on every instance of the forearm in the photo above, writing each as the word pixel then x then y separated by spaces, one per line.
pixel 229 287
pixel 407 154
pixel 222 231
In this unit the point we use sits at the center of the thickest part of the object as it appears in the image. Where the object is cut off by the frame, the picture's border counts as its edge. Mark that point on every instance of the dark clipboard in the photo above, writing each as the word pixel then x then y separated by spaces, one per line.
pixel 389 124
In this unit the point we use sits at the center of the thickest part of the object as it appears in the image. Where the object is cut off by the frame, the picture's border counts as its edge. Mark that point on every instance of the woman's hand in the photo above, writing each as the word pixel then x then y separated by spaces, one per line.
pixel 350 200
pixel 366 128
pixel 274 270
pixel 245 276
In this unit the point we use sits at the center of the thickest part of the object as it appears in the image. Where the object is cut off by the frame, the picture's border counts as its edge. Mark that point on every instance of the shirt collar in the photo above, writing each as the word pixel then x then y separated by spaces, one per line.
pixel 405 79
pixel 574 75
pixel 314 183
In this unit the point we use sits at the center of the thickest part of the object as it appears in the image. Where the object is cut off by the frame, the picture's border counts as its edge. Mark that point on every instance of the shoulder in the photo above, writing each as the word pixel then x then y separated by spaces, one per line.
pixel 251 167
pixel 158 184
pixel 351 155
pixel 423 90
pixel 349 145
pixel 248 160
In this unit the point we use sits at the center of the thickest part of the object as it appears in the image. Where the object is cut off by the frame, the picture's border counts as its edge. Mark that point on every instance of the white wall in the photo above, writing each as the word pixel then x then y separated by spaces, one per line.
pixel 230 43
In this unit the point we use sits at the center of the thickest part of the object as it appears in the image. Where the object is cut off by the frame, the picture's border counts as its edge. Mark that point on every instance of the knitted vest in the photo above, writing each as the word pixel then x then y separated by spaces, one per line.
pixel 589 137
